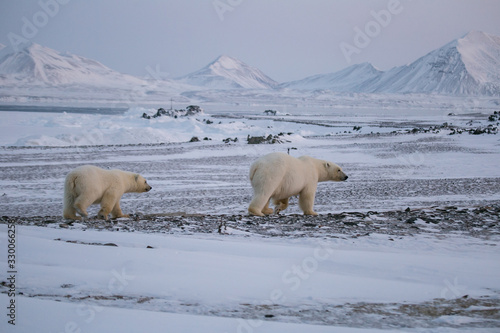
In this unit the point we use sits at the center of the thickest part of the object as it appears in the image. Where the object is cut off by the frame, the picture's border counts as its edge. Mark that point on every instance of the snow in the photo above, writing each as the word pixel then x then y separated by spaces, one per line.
pixel 480 54
pixel 176 282
pixel 185 280
pixel 72 317
pixel 67 129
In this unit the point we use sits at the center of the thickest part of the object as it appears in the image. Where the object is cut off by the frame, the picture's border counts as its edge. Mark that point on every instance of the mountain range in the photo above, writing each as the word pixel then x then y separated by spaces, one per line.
pixel 466 66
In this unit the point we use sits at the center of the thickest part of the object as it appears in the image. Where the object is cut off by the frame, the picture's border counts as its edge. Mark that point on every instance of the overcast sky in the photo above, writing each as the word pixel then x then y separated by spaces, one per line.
pixel 286 39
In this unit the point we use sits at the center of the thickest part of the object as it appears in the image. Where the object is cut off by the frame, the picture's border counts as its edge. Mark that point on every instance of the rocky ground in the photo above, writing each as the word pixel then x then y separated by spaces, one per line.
pixel 479 221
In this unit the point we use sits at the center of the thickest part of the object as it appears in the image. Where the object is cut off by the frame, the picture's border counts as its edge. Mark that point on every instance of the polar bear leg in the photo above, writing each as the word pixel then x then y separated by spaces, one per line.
pixel 256 206
pixel 81 206
pixel 260 205
pixel 280 205
pixel 117 211
pixel 267 210
pixel 306 201
pixel 108 202
pixel 70 213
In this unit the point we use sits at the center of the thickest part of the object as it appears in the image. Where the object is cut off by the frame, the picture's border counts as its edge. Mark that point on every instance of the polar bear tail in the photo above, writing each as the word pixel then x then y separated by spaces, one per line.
pixel 253 169
pixel 69 196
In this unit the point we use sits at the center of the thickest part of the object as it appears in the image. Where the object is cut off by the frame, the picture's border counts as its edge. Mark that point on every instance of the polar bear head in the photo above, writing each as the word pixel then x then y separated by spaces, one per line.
pixel 334 172
pixel 141 184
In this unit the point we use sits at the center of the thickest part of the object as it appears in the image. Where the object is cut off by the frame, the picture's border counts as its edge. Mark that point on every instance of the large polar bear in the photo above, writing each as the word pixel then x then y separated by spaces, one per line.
pixel 279 176
pixel 88 184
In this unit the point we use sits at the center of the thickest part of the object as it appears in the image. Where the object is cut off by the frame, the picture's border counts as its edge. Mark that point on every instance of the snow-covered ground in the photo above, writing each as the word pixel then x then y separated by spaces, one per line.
pixel 241 280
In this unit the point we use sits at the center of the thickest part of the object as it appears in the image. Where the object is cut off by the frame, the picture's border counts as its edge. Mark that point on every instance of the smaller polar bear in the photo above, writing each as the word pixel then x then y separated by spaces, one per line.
pixel 279 176
pixel 88 184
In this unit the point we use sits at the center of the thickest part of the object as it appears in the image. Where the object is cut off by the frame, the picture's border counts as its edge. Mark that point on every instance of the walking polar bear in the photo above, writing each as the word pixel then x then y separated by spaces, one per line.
pixel 279 176
pixel 88 184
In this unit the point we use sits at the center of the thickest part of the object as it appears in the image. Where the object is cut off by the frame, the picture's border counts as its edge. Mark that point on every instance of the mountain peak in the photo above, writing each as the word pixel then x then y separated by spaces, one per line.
pixel 480 53
pixel 227 62
pixel 476 34
pixel 227 72
pixel 40 65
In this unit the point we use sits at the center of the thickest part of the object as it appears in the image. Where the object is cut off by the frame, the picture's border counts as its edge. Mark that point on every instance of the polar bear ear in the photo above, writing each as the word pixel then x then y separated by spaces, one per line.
pixel 136 176
pixel 327 165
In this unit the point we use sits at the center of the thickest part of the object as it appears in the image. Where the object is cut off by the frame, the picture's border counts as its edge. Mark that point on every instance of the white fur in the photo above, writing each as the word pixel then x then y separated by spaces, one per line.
pixel 279 176
pixel 88 184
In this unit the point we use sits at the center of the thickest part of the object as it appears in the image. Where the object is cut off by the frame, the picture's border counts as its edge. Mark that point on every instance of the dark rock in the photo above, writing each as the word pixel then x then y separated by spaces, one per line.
pixel 270 139
pixel 411 220
pixel 228 140
pixel 350 223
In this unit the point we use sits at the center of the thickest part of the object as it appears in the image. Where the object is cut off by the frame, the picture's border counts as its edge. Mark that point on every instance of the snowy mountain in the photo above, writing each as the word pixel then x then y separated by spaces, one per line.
pixel 347 79
pixel 229 73
pixel 466 66
pixel 41 66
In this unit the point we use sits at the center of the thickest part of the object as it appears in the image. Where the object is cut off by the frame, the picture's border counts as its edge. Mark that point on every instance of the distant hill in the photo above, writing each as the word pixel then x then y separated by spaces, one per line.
pixel 229 73
pixel 347 79
pixel 38 65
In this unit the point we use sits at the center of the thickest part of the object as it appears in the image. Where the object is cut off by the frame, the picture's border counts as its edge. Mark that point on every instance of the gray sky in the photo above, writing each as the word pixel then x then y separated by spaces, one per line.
pixel 286 39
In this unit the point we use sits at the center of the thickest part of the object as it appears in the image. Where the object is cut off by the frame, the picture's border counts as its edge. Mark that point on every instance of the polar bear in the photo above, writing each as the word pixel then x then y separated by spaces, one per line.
pixel 279 176
pixel 88 184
